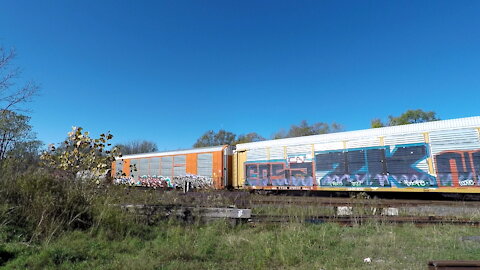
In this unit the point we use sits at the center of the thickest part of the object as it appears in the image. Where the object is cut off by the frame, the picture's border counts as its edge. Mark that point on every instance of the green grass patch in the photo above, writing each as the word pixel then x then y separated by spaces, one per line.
pixel 220 246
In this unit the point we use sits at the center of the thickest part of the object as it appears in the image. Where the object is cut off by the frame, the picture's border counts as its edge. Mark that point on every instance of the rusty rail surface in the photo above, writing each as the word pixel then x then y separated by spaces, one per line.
pixel 451 265
pixel 350 220
pixel 356 202
pixel 243 199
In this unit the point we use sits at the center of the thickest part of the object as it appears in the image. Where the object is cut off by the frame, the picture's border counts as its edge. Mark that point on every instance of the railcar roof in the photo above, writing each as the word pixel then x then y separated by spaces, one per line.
pixel 175 152
pixel 468 122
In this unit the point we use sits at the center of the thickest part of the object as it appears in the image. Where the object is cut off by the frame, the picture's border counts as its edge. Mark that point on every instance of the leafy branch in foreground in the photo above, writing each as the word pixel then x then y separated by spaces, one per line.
pixel 82 156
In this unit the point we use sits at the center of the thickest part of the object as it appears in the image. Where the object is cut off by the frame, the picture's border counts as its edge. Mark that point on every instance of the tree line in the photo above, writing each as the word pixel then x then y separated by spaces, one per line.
pixel 212 138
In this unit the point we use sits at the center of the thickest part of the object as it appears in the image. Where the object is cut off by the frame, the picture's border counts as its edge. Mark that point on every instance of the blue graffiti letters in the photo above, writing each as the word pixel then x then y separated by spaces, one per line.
pixel 374 167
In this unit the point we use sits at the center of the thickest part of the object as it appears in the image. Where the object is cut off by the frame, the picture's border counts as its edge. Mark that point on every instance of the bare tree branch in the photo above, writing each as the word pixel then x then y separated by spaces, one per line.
pixel 10 96
pixel 14 127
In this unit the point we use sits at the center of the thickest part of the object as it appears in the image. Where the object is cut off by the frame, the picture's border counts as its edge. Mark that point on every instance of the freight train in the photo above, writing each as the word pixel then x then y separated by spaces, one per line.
pixel 440 156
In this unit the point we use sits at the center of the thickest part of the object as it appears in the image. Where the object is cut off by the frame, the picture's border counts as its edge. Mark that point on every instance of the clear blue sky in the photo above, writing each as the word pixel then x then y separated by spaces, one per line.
pixel 167 71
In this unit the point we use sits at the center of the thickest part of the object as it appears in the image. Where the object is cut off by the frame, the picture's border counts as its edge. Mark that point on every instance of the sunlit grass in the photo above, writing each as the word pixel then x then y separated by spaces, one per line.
pixel 220 246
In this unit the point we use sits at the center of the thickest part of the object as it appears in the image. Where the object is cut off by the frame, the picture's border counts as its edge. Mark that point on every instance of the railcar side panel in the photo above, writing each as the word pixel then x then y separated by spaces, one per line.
pixel 126 167
pixel 192 163
pixel 239 160
pixel 218 170
pixel 203 168
pixel 436 160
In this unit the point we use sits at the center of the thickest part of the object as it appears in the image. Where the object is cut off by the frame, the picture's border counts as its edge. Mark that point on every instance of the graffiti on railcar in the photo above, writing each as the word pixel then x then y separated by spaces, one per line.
pixel 194 181
pixel 158 181
pixel 374 167
pixel 384 166
pixel 296 170
pixel 153 181
pixel 458 168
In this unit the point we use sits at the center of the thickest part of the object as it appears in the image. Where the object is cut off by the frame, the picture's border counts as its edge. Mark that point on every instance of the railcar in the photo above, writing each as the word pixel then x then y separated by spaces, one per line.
pixel 203 167
pixel 441 156
pixel 438 157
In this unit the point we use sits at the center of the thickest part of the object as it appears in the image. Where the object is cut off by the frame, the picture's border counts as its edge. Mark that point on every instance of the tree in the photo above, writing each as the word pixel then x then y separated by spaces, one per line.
pixel 14 130
pixel 408 117
pixel 377 123
pixel 10 95
pixel 304 129
pixel 249 137
pixel 22 158
pixel 210 138
pixel 412 117
pixel 137 147
pixel 80 153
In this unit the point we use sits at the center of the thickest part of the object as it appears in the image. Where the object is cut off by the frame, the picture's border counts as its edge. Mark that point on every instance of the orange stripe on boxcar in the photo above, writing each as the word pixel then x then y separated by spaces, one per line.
pixel 453 166
pixel 192 163
pixel 126 167
pixel 217 169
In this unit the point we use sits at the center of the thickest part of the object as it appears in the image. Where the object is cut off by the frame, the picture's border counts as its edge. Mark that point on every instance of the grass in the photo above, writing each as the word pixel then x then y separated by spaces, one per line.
pixel 48 223
pixel 219 246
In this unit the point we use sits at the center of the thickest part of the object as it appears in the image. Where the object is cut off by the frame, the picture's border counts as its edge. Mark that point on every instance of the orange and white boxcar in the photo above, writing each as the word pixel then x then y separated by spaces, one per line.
pixel 204 163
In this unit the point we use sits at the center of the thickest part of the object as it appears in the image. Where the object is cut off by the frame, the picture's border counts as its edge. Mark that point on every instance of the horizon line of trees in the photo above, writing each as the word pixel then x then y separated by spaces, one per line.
pixel 212 138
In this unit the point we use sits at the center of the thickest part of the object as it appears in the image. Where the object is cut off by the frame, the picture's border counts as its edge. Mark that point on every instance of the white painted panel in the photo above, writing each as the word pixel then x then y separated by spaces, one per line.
pixel 134 167
pixel 329 146
pixel 154 166
pixel 404 139
pixel 179 171
pixel 364 142
pixel 205 164
pixel 257 154
pixel 142 167
pixel 277 152
pixel 470 122
pixel 171 153
pixel 180 159
pixel 299 149
pixel 166 166
pixel 457 139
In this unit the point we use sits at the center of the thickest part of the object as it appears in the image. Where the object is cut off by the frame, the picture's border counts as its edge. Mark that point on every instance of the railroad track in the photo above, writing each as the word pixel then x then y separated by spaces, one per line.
pixel 351 220
pixel 246 199
pixel 380 203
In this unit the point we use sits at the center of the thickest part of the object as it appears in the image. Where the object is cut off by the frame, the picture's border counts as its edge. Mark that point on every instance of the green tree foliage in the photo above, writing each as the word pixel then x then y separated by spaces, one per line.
pixel 408 117
pixel 137 147
pixel 377 123
pixel 15 131
pixel 304 129
pixel 18 147
pixel 22 159
pixel 249 137
pixel 412 117
pixel 212 138
pixel 80 153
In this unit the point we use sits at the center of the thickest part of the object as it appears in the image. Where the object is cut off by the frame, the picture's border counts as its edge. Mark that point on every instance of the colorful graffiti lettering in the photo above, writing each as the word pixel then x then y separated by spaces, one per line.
pixel 458 168
pixel 384 166
pixel 374 167
pixel 157 181
pixel 193 181
pixel 297 172
pixel 124 181
pixel 153 181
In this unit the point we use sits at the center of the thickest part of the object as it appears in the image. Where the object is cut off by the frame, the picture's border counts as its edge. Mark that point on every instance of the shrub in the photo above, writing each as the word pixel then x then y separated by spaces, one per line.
pixel 44 206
